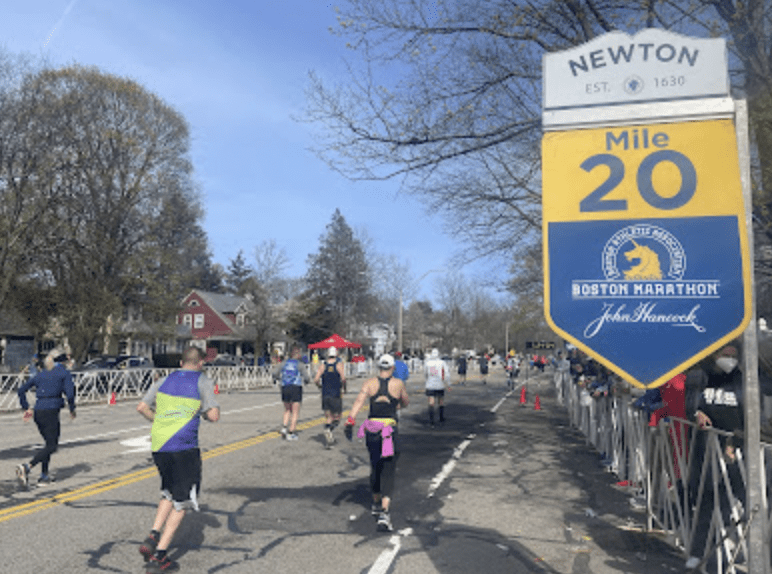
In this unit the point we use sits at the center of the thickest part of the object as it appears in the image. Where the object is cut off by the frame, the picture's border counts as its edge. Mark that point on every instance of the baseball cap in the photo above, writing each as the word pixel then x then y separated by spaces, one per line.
pixel 386 362
pixel 435 353
pixel 332 352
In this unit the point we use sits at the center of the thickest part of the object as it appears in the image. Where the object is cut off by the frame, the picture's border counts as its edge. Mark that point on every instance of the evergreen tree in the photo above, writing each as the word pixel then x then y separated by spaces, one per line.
pixel 338 278
pixel 238 273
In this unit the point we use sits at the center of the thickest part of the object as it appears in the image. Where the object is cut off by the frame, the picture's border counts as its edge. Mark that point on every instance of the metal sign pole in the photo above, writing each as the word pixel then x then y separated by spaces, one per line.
pixel 756 513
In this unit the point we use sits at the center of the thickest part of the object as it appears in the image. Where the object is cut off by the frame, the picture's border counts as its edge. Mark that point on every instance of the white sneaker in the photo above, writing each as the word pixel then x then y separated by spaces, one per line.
pixel 384 522
pixel 292 436
pixel 22 474
pixel 329 439
pixel 284 432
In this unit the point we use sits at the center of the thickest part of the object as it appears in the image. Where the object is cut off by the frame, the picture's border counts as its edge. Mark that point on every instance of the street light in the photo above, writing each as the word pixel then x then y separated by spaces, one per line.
pixel 399 317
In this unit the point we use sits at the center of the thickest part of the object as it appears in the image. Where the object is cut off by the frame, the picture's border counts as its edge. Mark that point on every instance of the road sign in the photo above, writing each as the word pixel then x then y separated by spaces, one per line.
pixel 540 345
pixel 646 256
pixel 652 65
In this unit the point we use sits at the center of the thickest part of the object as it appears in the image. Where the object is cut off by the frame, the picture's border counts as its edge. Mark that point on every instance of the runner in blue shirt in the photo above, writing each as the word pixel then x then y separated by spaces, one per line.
pixel 401 370
pixel 293 374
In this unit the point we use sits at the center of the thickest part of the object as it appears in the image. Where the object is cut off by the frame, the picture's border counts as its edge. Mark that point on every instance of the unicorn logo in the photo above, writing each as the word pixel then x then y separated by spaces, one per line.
pixel 643 262
pixel 647 267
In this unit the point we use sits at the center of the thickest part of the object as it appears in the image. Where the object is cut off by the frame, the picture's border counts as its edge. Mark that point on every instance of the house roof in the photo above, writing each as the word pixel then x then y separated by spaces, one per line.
pixel 223 303
pixel 228 304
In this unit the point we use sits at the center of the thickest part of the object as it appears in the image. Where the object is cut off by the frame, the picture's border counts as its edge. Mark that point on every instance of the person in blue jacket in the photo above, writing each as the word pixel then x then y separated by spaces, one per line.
pixel 401 370
pixel 50 384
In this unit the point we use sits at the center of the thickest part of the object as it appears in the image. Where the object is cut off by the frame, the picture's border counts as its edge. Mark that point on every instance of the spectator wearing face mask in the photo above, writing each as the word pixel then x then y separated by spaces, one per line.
pixel 720 405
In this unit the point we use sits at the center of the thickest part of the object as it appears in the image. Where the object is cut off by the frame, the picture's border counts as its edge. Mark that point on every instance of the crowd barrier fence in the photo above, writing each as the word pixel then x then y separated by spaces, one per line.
pixel 690 483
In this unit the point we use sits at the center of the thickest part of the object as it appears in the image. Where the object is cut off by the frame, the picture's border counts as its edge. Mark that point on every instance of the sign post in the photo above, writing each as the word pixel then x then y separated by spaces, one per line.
pixel 646 216
pixel 646 255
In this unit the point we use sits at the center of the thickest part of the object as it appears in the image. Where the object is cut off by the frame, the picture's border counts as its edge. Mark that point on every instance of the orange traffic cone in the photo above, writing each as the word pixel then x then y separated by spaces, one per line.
pixel 112 398
pixel 522 396
pixel 216 389
pixel 536 404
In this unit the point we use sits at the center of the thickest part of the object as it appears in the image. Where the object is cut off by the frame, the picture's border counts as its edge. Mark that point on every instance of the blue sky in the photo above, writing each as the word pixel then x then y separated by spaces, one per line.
pixel 237 71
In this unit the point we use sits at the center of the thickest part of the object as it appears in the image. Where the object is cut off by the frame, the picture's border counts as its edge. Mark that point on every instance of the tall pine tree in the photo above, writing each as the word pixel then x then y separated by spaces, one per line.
pixel 338 279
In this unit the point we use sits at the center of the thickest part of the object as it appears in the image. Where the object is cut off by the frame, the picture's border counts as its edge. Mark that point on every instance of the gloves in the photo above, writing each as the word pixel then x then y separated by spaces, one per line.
pixel 348 429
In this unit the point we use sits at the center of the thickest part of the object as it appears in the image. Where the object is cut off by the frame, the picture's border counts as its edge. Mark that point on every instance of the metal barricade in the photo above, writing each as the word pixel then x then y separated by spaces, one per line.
pixel 105 386
pixel 693 485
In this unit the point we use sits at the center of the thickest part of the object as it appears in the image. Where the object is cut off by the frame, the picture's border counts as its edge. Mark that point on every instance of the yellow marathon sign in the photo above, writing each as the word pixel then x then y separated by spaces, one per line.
pixel 646 258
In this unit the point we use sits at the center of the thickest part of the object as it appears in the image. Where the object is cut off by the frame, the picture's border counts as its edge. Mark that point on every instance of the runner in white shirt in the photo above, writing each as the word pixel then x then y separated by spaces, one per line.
pixel 435 373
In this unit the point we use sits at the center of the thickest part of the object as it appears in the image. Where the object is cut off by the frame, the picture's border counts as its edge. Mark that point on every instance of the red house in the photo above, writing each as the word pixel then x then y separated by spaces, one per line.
pixel 223 323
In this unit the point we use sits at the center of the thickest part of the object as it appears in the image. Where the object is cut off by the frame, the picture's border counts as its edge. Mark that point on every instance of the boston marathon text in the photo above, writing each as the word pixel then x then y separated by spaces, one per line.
pixel 633 289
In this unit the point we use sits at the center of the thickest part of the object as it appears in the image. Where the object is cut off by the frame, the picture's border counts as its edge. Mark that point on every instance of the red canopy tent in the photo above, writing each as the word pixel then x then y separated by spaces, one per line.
pixel 334 341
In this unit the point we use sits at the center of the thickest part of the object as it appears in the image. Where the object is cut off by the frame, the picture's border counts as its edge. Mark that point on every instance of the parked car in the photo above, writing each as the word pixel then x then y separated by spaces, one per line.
pixel 224 360
pixel 132 362
pixel 98 363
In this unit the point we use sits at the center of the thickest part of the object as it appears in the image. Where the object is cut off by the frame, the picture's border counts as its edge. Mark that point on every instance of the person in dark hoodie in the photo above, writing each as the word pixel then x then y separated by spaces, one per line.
pixel 719 405
pixel 50 384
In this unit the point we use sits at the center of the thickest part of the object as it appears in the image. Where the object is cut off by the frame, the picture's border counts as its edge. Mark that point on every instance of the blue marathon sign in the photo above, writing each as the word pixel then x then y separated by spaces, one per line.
pixel 646 256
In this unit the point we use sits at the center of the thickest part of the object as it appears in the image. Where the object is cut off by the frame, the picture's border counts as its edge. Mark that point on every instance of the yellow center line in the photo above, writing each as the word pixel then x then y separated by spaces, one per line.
pixel 124 480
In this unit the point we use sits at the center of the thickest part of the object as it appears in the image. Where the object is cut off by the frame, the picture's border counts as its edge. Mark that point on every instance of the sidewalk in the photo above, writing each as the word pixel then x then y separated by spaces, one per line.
pixel 532 483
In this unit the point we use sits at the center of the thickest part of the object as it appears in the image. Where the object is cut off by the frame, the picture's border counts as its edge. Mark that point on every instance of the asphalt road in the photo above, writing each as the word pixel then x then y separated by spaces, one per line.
pixel 497 488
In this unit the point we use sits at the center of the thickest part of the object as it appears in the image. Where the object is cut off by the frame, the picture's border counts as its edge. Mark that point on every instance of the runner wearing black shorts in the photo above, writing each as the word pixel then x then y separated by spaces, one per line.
pixel 175 405
pixel 331 378
pixel 293 374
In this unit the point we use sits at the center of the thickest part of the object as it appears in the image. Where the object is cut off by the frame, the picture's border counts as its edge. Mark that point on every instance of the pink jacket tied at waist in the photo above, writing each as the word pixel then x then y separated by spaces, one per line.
pixel 387 448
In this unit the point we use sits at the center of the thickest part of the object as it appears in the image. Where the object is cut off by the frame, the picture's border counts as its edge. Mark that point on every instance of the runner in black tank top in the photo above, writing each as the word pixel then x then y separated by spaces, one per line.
pixel 380 408
pixel 385 395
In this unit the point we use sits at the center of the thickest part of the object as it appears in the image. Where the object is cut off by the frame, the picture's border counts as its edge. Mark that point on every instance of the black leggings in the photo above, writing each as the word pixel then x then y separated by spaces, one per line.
pixel 50 428
pixel 382 470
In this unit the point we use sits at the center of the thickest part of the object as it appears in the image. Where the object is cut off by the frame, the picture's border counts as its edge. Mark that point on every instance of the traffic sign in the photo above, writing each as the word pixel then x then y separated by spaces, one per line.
pixel 540 345
pixel 647 265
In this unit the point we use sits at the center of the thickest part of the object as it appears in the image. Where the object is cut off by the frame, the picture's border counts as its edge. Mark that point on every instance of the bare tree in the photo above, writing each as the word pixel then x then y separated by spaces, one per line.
pixel 267 288
pixel 446 97
pixel 27 177
pixel 118 152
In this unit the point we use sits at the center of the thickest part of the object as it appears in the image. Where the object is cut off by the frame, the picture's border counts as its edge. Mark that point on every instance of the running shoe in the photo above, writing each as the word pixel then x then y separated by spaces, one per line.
pixel 147 548
pixel 328 438
pixel 292 436
pixel 284 432
pixel 384 522
pixel 22 474
pixel 376 509
pixel 155 565
pixel 45 479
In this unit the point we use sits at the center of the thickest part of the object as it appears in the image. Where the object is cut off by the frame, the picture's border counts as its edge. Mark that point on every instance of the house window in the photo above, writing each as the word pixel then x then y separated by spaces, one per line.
pixel 187 319
pixel 240 319
pixel 193 303
pixel 198 321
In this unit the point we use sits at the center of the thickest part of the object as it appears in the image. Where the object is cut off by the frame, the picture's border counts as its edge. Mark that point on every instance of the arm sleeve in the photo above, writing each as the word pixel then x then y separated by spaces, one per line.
pixel 23 392
pixel 149 397
pixel 206 390
pixel 69 390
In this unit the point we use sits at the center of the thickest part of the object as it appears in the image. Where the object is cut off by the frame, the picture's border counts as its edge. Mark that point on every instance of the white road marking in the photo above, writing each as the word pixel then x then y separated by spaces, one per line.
pixel 252 408
pixel 103 435
pixel 139 444
pixel 385 559
pixel 383 562
pixel 501 402
pixel 146 428
pixel 448 467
